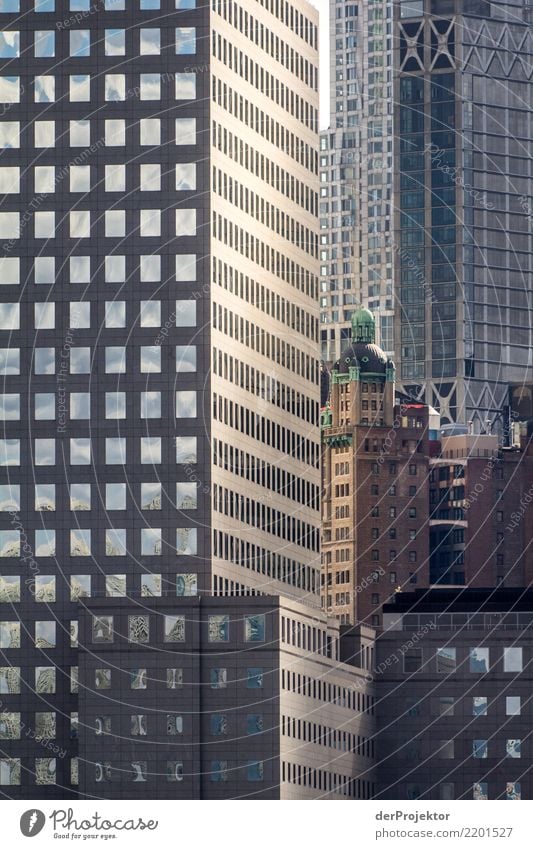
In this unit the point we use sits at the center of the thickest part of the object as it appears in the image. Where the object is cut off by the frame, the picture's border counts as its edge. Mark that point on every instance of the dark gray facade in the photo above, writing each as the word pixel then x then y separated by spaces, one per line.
pixel 221 699
pixel 454 711
pixel 117 225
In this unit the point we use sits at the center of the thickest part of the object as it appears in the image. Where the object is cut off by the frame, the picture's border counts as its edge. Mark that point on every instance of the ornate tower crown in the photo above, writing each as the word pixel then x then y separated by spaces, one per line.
pixel 363 326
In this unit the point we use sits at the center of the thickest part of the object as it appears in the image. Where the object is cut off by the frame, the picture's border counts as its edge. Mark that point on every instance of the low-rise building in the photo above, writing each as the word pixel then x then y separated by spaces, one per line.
pixel 222 698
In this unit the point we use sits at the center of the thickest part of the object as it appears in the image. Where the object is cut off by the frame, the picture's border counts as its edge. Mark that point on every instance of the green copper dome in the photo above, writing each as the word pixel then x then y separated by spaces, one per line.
pixel 363 326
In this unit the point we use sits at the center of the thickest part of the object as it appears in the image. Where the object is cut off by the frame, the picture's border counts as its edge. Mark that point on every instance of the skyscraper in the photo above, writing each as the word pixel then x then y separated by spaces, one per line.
pixel 448 221
pixel 158 323
pixel 356 158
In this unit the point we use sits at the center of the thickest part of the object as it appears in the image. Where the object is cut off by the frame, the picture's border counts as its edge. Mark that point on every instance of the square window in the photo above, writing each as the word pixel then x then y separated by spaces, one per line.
pixel 9 502
pixel 102 679
pixel 150 86
pixel 45 585
pixel 174 679
pixel 80 42
pixel 513 748
pixel 150 269
pixel 80 587
pixel 115 132
pixel 218 724
pixel 187 584
pixel 115 178
pixel 186 495
pixel 10 406
pixel 174 771
pixel 186 267
pixel 79 315
pixel 45 452
pixel 174 724
pixel 44 316
pixel 446 660
pixel 185 87
pixel 151 450
pixel 150 405
pixel 186 313
pixel 103 629
pixel 186 176
pixel 185 358
pixel 45 634
pixel 185 131
pixel 150 359
pixel 45 225
pixel 44 270
pixel 115 405
pixel 254 678
pixel 10 771
pixel 150 178
pixel 513 791
pixel 80 269
pixel 44 360
pixel 115 269
pixel 80 496
pixel 9 635
pixel 150 315
pixel 80 360
pixel 218 629
pixel 10 225
pixel 9 44
pixel 80 451
pixel 9 271
pixel 150 132
pixel 186 541
pixel 185 404
pixel 80 133
pixel 185 41
pixel 115 223
pixel 150 585
pixel 512 706
pixel 80 178
pixel 512 659
pixel 44 44
pixel 10 679
pixel 80 542
pixel 115 87
pixel 9 361
pixel 139 725
pixel 150 42
pixel 115 542
pixel 80 88
pixel 150 4
pixel 151 542
pixel 185 222
pixel 10 134
pixel 115 450
pixel 115 359
pixel 254 771
pixel 44 179
pixel 115 314
pixel 10 181
pixel 115 42
pixel 480 749
pixel 254 628
pixel 44 89
pixel 150 222
pixel 174 629
pixel 150 496
pixel 44 134
pixel 186 449
pixel 10 589
pixel 115 586
pixel 9 316
pixel 218 679
pixel 479 660
pixel 115 496
pixel 479 706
